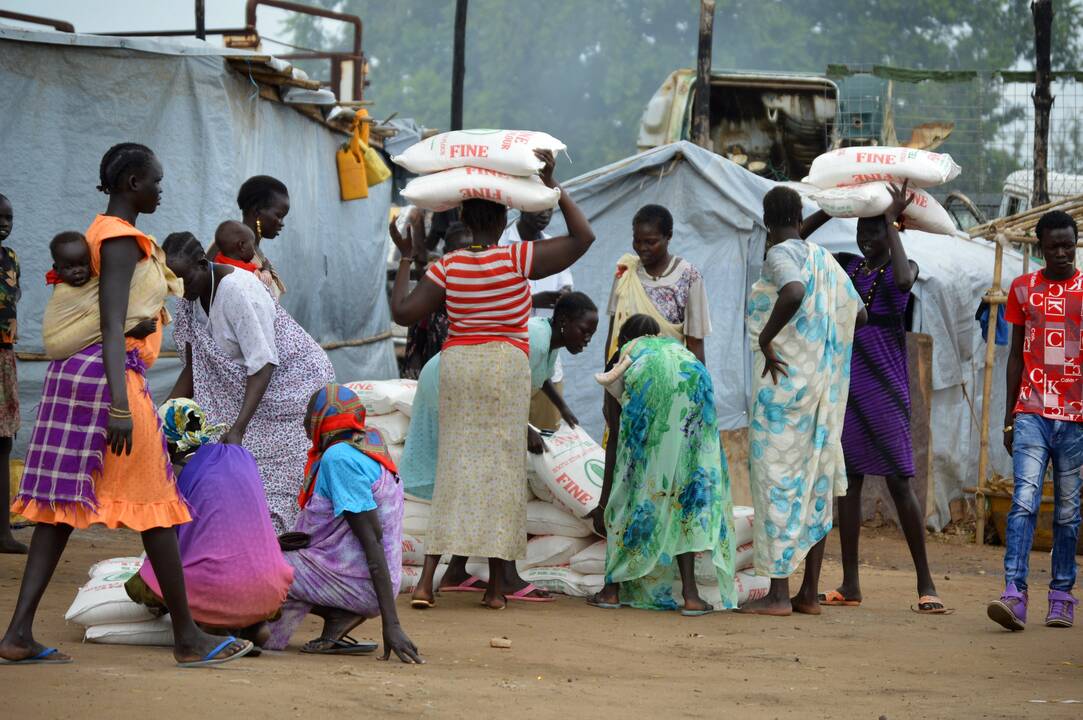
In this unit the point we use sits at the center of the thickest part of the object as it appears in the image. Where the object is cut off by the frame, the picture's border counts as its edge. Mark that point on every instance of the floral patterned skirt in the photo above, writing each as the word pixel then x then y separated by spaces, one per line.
pixel 671 485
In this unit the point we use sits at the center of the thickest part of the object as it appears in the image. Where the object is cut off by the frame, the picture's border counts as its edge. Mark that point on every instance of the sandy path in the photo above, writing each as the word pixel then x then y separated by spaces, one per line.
pixel 571 661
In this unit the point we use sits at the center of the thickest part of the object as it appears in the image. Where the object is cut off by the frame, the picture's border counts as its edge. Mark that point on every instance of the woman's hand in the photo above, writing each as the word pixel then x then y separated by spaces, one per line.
pixel 144 329
pixel 772 363
pixel 569 418
pixel 405 245
pixel 118 435
pixel 233 436
pixel 395 640
pixel 1009 434
pixel 546 173
pixel 900 199
pixel 534 442
pixel 597 519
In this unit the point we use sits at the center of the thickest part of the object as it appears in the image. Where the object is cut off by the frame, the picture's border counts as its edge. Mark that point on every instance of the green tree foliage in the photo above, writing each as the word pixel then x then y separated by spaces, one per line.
pixel 584 71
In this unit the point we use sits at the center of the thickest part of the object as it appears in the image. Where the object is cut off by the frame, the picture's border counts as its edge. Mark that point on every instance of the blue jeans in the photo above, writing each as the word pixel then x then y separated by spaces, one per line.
pixel 1036 441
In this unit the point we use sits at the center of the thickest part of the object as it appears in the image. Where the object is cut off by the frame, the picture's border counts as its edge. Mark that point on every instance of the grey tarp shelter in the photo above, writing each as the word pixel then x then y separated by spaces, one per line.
pixel 68 98
pixel 717 210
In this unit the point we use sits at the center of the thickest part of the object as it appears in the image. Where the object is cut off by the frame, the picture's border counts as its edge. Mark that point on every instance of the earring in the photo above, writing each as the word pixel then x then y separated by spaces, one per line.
pixel 259 229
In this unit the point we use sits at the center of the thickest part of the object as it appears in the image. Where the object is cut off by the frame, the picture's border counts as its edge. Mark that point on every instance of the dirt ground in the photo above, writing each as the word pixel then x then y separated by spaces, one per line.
pixel 571 661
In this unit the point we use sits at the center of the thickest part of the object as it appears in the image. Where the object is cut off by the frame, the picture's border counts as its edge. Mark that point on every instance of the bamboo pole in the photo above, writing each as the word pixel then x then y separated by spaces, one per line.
pixel 995 297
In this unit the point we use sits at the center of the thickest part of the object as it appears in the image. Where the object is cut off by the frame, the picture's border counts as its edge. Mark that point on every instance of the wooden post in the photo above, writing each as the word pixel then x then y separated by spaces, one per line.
pixel 201 19
pixel 701 108
pixel 1042 11
pixel 995 297
pixel 458 66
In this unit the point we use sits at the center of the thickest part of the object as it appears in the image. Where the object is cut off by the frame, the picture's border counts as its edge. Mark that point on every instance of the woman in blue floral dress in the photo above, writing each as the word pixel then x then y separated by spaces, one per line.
pixel 666 495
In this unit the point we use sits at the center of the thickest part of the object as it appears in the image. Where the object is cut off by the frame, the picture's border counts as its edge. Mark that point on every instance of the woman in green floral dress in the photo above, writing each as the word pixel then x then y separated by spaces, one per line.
pixel 666 495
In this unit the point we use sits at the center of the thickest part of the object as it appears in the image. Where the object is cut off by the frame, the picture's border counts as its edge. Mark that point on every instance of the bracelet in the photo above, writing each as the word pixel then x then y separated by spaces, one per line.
pixel 1008 428
pixel 119 414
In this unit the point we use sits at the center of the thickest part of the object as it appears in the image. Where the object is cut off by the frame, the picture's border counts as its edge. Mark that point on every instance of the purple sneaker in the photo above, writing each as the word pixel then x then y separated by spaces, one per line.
pixel 1010 611
pixel 1061 609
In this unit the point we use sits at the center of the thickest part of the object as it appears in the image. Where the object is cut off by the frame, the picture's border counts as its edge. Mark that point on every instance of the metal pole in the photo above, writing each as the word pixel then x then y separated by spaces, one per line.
pixel 1042 11
pixel 201 19
pixel 458 66
pixel 995 297
pixel 701 109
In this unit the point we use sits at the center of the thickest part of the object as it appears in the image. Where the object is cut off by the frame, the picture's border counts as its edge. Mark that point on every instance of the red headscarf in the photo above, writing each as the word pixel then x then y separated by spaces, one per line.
pixel 338 416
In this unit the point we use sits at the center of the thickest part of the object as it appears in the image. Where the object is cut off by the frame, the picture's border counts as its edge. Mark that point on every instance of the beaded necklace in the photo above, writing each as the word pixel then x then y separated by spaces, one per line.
pixel 875 283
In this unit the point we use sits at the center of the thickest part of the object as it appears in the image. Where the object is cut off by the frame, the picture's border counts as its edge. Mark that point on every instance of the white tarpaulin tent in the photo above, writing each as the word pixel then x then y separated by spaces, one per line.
pixel 68 98
pixel 717 211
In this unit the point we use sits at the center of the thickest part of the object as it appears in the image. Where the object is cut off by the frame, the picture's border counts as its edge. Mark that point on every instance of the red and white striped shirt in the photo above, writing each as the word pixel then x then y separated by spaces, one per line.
pixel 487 294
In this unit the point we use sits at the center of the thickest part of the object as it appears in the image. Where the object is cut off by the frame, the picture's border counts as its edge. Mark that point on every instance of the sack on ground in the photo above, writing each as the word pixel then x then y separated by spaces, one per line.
pixel 404 403
pixel 448 189
pixel 116 566
pixel 538 489
pixel 415 518
pixel 572 467
pixel 707 573
pixel 551 551
pixel 748 585
pixel 858 165
pixel 379 396
pixel 413 550
pixel 411 575
pixel 545 519
pixel 591 560
pixel 103 601
pixel 393 426
pixel 508 151
pixel 873 199
pixel 158 631
pixel 564 581
pixel 743 519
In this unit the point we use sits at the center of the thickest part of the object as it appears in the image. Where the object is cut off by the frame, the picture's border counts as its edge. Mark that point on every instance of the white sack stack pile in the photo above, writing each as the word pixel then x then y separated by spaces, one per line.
pixel 103 607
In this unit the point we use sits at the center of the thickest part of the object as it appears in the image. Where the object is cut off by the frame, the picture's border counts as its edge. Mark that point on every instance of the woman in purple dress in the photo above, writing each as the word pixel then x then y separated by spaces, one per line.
pixel 876 434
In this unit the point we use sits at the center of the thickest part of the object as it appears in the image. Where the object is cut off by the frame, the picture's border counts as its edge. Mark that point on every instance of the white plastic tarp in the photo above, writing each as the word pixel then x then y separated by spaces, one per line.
pixel 68 98
pixel 717 212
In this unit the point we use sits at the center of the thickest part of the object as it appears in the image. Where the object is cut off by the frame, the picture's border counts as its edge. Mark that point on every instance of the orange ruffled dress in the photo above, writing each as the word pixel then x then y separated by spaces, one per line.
pixel 134 491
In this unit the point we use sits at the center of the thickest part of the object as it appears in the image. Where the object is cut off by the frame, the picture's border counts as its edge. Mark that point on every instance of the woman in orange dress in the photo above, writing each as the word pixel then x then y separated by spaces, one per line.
pixel 97 454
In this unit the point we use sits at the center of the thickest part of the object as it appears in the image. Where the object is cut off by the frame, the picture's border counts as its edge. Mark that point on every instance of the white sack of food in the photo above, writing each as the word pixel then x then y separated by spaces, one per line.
pixel 508 151
pixel 114 566
pixel 859 165
pixel 564 581
pixel 448 189
pixel 538 488
pixel 478 567
pixel 379 396
pixel 413 550
pixel 404 403
pixel 706 573
pixel 158 631
pixel 393 426
pixel 545 519
pixel 415 518
pixel 572 467
pixel 748 585
pixel 743 519
pixel 103 601
pixel 411 575
pixel 396 451
pixel 590 560
pixel 551 551
pixel 872 199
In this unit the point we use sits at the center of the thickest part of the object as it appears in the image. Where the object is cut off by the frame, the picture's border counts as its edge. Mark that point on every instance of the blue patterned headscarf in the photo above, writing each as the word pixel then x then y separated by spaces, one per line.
pixel 185 425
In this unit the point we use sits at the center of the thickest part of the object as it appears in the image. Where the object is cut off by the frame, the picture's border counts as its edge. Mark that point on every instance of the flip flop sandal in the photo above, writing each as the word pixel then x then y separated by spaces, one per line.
pixel 697 613
pixel 345 645
pixel 487 606
pixel 467 585
pixel 212 658
pixel 523 595
pixel 45 657
pixel 419 604
pixel 930 605
pixel 835 598
pixel 593 601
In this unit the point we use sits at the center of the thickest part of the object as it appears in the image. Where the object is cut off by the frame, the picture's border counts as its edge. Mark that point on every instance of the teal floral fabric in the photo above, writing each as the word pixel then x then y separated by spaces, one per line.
pixel 671 485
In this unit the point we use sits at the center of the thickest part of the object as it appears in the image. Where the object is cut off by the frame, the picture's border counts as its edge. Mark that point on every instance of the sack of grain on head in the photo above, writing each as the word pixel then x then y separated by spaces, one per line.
pixel 859 165
pixel 448 189
pixel 874 198
pixel 506 151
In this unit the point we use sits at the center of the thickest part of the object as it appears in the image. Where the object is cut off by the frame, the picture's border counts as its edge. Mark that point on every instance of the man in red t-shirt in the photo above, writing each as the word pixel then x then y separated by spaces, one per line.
pixel 1044 420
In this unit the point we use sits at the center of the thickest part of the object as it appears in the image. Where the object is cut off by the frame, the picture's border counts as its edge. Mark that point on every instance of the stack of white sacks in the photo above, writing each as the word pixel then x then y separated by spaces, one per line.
pixel 495 165
pixel 103 607
pixel 853 182
pixel 565 483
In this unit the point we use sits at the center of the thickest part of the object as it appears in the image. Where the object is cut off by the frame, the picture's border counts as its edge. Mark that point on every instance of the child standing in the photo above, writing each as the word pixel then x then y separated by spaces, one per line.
pixel 1046 421
pixel 9 384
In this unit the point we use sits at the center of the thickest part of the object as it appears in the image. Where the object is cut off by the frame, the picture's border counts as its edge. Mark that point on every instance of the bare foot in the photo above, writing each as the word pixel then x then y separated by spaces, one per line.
pixel 338 623
pixel 15 651
pixel 10 546
pixel 803 606
pixel 426 596
pixel 694 603
pixel 767 606
pixel 201 645
pixel 608 597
